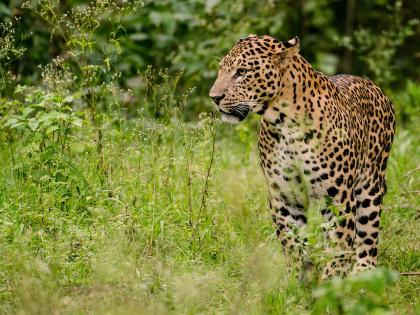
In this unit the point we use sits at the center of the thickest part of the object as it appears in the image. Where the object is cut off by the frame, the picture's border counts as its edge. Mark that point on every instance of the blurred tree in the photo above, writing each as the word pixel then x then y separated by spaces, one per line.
pixel 376 38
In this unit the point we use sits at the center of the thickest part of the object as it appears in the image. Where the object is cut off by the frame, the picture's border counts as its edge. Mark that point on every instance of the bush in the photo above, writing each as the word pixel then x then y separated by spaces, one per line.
pixel 360 294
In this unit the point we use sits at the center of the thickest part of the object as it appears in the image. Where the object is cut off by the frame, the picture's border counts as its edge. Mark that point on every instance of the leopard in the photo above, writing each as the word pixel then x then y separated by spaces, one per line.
pixel 320 138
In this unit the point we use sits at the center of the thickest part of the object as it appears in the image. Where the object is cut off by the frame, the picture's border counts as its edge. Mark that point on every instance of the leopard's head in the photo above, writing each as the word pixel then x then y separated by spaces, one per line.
pixel 250 76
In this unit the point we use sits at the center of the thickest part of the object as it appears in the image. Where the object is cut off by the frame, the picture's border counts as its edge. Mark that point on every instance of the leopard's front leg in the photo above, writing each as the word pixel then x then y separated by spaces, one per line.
pixel 288 220
pixel 340 237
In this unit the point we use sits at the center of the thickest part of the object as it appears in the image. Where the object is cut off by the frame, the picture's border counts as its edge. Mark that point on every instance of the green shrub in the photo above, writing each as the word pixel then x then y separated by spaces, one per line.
pixel 360 294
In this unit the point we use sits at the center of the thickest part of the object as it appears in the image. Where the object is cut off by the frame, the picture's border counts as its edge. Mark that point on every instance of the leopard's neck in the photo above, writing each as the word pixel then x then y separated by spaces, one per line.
pixel 302 96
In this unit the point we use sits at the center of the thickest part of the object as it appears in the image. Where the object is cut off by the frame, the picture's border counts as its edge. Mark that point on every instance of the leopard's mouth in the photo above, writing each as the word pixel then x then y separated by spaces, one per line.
pixel 236 113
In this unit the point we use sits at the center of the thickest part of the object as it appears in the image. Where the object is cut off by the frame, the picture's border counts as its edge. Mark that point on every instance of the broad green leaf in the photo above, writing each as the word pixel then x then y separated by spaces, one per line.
pixel 62 116
pixel 77 122
pixel 27 110
pixel 52 115
pixel 33 125
pixel 16 125
pixel 10 122
pixel 51 129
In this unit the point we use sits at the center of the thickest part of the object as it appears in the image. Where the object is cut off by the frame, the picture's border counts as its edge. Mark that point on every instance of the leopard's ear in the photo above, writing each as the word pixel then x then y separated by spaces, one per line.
pixel 289 47
pixel 292 45
pixel 294 42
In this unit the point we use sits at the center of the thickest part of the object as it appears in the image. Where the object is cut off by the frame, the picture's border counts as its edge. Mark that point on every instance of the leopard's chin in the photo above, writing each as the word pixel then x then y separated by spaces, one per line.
pixel 230 118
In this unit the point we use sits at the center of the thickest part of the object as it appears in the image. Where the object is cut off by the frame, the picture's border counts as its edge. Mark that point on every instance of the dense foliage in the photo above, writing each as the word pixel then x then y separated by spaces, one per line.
pixel 120 190
pixel 377 39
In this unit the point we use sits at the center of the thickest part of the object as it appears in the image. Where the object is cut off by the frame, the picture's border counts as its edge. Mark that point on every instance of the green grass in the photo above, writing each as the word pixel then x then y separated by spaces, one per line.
pixel 130 227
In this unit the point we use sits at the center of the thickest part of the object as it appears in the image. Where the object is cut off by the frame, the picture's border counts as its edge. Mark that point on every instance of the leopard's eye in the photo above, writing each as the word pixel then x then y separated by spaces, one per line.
pixel 241 71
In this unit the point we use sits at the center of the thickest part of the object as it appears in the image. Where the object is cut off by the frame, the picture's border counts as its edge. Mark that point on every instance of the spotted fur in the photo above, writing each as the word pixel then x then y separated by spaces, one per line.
pixel 321 137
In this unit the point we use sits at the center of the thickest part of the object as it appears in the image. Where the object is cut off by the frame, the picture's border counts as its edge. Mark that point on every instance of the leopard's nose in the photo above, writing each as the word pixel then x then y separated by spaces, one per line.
pixel 218 98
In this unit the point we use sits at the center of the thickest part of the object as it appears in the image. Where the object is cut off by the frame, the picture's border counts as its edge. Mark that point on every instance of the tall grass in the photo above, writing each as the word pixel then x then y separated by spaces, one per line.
pixel 134 235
